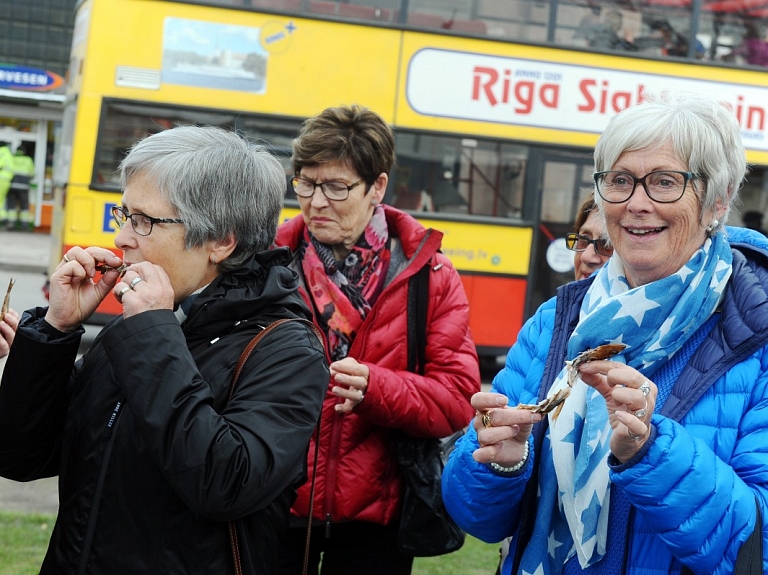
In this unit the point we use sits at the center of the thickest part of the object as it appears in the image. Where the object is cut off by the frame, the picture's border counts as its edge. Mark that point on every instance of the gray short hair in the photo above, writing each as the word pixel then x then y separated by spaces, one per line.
pixel 218 183
pixel 703 132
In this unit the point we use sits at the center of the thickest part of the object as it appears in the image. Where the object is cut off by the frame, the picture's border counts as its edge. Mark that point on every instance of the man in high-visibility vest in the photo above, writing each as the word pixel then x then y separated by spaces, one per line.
pixel 6 175
pixel 17 201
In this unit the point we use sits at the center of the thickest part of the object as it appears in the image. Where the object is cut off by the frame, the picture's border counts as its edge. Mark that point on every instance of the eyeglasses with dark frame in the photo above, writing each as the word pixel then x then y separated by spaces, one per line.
pixel 142 223
pixel 664 187
pixel 334 191
pixel 578 243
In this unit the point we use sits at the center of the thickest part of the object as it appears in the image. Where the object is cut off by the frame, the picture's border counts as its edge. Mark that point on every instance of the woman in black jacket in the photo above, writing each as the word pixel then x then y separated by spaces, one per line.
pixel 153 458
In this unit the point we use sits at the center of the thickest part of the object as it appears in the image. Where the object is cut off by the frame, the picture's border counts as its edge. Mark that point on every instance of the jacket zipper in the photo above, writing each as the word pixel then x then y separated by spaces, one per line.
pixel 109 431
pixel 337 421
pixel 330 471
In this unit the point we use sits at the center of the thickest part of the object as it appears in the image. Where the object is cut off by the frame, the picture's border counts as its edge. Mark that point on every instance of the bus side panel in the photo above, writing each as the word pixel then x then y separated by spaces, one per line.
pixel 496 305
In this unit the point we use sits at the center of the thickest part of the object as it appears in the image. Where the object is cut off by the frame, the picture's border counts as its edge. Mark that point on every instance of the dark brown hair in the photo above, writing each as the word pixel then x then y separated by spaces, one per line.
pixel 351 135
pixel 587 207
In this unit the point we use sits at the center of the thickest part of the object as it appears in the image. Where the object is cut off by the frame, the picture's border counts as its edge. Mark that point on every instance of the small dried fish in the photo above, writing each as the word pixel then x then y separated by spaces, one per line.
pixel 548 404
pixel 104 268
pixel 7 300
pixel 556 401
pixel 600 352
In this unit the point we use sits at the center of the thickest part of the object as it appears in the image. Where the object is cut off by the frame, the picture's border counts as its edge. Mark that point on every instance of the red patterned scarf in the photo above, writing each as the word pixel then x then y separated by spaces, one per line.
pixel 343 292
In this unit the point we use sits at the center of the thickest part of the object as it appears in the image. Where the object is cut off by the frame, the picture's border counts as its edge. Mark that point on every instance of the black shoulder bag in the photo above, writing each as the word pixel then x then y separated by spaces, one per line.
pixel 426 529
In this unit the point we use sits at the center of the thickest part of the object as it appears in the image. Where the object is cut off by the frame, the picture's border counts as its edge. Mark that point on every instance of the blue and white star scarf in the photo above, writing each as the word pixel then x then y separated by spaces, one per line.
pixel 653 321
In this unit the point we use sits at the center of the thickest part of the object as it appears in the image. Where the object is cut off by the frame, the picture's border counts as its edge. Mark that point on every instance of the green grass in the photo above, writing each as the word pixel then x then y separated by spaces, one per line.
pixel 474 558
pixel 24 539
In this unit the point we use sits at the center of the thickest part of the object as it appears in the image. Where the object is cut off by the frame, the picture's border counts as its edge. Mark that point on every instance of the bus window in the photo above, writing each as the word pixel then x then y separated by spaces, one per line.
pixel 457 175
pixel 123 124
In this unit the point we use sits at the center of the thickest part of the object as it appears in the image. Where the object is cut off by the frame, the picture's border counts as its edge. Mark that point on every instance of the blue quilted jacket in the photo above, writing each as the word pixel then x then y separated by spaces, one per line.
pixel 694 488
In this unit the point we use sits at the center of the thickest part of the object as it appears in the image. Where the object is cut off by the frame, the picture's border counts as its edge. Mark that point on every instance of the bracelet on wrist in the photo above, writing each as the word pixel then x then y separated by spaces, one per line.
pixel 517 467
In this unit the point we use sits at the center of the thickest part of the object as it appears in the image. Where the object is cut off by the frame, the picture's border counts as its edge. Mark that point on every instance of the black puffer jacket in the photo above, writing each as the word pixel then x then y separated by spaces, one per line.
pixel 153 461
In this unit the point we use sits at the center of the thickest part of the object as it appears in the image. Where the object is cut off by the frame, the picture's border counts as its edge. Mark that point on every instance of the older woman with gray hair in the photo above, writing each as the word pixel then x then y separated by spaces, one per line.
pixel 656 460
pixel 156 456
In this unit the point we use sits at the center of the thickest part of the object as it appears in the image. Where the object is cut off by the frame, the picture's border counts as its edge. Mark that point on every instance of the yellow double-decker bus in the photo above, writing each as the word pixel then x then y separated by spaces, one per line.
pixel 496 106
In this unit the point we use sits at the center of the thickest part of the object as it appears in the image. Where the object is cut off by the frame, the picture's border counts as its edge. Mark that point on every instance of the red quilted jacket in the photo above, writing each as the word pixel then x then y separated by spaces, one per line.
pixel 357 475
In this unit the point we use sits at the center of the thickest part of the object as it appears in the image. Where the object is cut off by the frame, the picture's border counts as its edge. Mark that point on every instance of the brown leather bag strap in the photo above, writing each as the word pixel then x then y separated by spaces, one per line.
pixel 234 544
pixel 233 539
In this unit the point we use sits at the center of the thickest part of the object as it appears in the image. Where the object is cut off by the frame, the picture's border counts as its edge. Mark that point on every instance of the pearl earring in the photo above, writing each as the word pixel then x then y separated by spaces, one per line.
pixel 213 260
pixel 711 227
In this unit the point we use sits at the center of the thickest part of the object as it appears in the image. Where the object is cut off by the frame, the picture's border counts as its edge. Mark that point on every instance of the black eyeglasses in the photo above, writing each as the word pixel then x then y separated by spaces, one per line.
pixel 142 223
pixel 335 191
pixel 663 187
pixel 579 243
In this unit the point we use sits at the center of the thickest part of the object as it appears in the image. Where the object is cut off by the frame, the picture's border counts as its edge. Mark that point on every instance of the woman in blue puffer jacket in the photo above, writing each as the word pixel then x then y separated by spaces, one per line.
pixel 657 461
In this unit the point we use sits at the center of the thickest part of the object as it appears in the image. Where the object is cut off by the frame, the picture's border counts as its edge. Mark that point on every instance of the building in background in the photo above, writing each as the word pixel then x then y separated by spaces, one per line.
pixel 34 61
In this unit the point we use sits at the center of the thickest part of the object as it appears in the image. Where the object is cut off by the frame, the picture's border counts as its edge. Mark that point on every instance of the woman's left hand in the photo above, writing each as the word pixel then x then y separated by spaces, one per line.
pixel 9 323
pixel 630 398
pixel 145 286
pixel 349 380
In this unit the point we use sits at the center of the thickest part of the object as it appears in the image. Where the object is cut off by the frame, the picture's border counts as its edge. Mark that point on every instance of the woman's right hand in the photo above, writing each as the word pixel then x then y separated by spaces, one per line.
pixel 74 296
pixel 502 431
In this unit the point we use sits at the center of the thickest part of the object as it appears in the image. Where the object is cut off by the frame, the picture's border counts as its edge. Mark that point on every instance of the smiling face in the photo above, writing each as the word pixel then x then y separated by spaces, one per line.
pixel 339 224
pixel 188 268
pixel 654 240
pixel 586 262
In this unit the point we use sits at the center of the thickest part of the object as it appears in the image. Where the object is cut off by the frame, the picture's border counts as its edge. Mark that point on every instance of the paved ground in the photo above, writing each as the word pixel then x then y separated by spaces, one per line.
pixel 34 497
pixel 26 252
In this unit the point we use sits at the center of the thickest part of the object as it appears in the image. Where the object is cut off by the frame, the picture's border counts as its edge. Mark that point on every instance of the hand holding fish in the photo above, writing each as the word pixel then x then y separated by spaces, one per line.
pixel 9 323
pixel 74 295
pixel 630 398
pixel 555 402
pixel 502 432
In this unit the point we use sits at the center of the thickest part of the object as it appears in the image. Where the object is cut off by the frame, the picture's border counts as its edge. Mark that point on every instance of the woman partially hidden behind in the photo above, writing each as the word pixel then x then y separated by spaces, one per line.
pixel 153 459
pixel 657 462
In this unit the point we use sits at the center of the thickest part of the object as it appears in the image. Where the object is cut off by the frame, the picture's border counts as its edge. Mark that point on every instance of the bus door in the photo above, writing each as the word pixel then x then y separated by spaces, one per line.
pixel 562 181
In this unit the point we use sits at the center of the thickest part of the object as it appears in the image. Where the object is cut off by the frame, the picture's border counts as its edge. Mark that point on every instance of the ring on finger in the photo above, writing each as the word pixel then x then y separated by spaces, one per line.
pixel 66 259
pixel 487 420
pixel 645 388
pixel 135 280
pixel 642 411
pixel 122 292
pixel 632 435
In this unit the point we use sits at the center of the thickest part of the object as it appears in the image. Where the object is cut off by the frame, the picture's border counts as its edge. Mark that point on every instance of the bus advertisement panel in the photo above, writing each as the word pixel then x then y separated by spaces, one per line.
pixel 493 139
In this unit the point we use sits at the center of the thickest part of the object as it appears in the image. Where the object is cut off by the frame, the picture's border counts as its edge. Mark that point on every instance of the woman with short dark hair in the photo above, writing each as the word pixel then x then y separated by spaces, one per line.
pixel 356 258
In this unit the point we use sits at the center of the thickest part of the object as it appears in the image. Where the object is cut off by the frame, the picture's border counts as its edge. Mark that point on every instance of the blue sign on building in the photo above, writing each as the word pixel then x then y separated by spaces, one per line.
pixel 25 78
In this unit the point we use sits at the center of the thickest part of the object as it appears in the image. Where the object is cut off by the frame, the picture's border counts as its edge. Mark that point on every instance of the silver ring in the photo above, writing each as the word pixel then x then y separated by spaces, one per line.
pixel 645 388
pixel 122 292
pixel 135 280
pixel 632 435
pixel 66 259
pixel 642 411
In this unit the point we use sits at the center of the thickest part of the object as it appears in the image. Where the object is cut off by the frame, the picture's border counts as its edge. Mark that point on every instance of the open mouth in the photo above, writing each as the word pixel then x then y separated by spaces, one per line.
pixel 643 231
